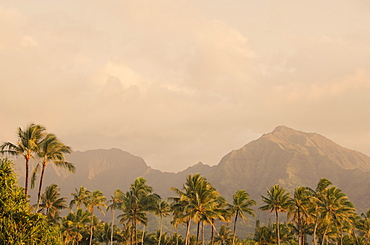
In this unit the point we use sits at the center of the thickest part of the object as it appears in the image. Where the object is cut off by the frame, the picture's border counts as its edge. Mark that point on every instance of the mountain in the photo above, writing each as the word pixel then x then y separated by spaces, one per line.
pixel 285 156
pixel 292 158
pixel 105 170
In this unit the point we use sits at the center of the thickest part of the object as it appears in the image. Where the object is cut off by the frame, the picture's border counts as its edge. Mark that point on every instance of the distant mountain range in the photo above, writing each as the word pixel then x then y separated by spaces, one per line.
pixel 285 156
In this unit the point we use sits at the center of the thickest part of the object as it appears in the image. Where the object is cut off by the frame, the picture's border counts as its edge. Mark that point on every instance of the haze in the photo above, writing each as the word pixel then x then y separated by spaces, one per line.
pixel 178 82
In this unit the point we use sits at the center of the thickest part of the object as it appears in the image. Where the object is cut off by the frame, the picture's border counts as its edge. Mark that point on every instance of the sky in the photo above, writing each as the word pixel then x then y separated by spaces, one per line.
pixel 181 81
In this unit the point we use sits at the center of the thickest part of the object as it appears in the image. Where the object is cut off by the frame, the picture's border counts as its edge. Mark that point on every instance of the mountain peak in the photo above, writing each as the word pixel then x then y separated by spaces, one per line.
pixel 317 147
pixel 197 168
pixel 283 129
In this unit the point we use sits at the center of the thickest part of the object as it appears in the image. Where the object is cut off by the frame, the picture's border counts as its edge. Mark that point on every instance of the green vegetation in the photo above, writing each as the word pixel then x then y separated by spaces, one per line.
pixel 323 215
pixel 18 224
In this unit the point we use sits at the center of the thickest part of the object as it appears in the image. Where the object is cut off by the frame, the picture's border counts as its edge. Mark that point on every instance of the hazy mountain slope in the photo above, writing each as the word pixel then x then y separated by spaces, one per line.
pixel 163 181
pixel 104 170
pixel 293 158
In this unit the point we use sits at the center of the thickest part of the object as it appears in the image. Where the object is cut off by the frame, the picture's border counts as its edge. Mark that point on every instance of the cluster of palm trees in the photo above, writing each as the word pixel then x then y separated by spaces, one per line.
pixel 198 203
pixel 201 203
pixel 325 214
pixel 82 226
pixel 34 142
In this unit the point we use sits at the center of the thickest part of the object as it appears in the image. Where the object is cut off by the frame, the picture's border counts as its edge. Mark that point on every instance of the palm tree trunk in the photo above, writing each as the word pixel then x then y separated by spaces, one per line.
pixel 324 235
pixel 177 236
pixel 136 242
pixel 27 172
pixel 198 226
pixel 112 228
pixel 299 226
pixel 314 233
pixel 129 230
pixel 236 219
pixel 142 237
pixel 134 229
pixel 212 232
pixel 341 236
pixel 301 238
pixel 202 232
pixel 187 232
pixel 132 233
pixel 40 186
pixel 277 227
pixel 160 230
pixel 91 225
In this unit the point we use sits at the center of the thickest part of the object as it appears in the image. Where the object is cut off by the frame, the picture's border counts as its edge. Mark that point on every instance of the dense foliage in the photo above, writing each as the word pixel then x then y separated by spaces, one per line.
pixel 18 224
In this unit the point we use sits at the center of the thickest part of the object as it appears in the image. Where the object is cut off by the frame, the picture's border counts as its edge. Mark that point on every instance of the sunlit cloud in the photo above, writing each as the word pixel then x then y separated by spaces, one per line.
pixel 178 82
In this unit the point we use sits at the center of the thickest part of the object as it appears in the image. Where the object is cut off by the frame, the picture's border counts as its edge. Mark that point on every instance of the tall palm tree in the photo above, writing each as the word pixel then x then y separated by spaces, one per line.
pixel 96 200
pixel 277 200
pixel 162 210
pixel 179 212
pixel 241 205
pixel 132 214
pixel 177 208
pixel 26 146
pixel 139 200
pixel 219 212
pixel 80 197
pixel 52 203
pixel 315 210
pixel 115 203
pixel 197 199
pixel 186 200
pixel 299 207
pixel 336 210
pixel 51 150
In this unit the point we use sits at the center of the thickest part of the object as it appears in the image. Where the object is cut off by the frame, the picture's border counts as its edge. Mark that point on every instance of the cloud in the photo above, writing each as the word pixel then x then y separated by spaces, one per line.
pixel 184 81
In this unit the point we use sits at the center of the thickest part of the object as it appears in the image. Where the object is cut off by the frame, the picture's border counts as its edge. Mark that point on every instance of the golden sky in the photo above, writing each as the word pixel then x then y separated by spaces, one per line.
pixel 179 81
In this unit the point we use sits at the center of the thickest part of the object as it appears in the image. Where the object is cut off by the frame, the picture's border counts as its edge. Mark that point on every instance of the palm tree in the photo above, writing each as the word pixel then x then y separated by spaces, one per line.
pixel 115 203
pixel 103 231
pixel 75 226
pixel 162 210
pixel 315 210
pixel 363 225
pixel 219 212
pixel 136 203
pixel 80 197
pixel 299 210
pixel 263 234
pixel 130 213
pixel 197 199
pixel 178 217
pixel 51 150
pixel 241 204
pixel 187 201
pixel 224 235
pixel 26 146
pixel 96 199
pixel 277 200
pixel 336 210
pixel 52 203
